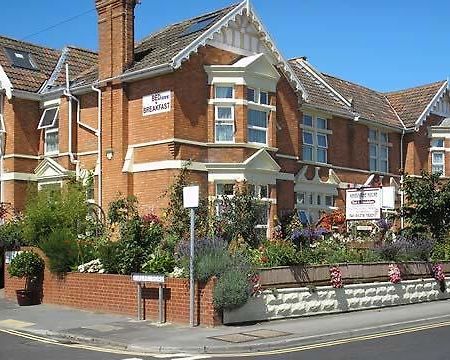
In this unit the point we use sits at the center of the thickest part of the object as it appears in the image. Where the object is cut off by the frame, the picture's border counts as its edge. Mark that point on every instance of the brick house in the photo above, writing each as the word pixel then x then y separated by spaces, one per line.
pixel 214 90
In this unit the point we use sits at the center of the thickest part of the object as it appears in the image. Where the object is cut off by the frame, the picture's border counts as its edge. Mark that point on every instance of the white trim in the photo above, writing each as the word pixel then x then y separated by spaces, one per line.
pixel 429 107
pixel 165 165
pixel 50 131
pixel 23 156
pixel 40 126
pixel 229 102
pixel 8 176
pixel 241 9
pixel 347 168
pixel 5 83
pixel 290 157
pixel 226 122
pixel 56 71
pixel 50 103
pixel 26 95
pixel 50 182
pixel 285 176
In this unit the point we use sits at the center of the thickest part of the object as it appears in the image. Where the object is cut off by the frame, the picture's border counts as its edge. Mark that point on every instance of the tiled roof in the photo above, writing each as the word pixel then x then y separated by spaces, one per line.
pixel 318 94
pixel 24 79
pixel 369 104
pixel 411 103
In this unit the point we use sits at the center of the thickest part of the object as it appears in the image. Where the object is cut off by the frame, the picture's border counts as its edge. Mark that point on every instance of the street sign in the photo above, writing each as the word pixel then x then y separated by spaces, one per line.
pixel 147 278
pixel 190 196
pixel 140 278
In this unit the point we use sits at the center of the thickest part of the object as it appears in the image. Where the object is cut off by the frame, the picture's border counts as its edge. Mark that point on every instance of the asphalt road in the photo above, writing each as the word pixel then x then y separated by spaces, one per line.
pixel 430 344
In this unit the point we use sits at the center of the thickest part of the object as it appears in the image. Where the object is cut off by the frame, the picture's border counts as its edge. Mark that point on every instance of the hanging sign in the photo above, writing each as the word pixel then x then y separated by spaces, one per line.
pixel 156 103
pixel 363 204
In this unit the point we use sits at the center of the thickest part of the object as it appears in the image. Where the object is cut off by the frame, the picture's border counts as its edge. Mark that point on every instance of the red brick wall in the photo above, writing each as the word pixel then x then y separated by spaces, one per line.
pixel 118 294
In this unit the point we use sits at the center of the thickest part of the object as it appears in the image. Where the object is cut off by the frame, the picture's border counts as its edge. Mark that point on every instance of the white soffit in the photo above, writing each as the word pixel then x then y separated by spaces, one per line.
pixel 5 83
pixel 429 109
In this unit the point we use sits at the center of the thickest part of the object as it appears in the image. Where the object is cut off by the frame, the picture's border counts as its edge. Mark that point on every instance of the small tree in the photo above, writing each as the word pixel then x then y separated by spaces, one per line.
pixel 26 265
pixel 427 207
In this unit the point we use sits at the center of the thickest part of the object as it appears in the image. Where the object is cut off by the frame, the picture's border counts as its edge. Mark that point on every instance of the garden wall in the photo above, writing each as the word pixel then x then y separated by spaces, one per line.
pixel 295 302
pixel 117 294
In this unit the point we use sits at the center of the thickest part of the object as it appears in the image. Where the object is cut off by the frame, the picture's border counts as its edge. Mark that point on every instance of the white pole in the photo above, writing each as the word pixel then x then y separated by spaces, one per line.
pixel 191 272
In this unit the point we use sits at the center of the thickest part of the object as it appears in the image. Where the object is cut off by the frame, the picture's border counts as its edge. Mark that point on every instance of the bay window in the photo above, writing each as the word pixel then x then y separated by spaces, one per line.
pixel 224 120
pixel 257 123
pixel 223 92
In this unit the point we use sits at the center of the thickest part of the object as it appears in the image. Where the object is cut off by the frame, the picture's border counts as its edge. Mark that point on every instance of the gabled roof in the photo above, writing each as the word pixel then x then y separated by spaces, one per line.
pixel 320 93
pixel 369 104
pixel 24 79
pixel 411 104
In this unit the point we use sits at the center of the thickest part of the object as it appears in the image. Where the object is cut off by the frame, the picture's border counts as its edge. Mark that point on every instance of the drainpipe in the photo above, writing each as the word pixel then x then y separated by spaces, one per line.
pixel 402 195
pixel 99 143
pixel 2 150
pixel 70 97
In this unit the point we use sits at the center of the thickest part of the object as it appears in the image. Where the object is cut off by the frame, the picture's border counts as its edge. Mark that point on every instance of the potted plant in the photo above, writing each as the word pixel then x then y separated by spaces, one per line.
pixel 27 265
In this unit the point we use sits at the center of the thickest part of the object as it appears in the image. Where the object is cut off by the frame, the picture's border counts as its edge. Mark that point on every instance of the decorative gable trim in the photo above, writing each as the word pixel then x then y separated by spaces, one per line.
pixel 5 83
pixel 244 8
pixel 262 157
pixel 50 169
pixel 56 71
pixel 439 95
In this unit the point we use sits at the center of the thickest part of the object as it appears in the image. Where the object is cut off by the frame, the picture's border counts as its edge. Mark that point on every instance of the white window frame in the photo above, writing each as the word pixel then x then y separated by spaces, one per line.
pixel 224 86
pixel 257 99
pixel 224 121
pixel 50 131
pixel 314 206
pixel 437 150
pixel 253 127
pixel 40 126
pixel 315 131
pixel 378 143
pixel 47 183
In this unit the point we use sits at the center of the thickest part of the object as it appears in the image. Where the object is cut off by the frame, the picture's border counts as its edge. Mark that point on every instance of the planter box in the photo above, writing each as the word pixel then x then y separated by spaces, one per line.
pixel 294 276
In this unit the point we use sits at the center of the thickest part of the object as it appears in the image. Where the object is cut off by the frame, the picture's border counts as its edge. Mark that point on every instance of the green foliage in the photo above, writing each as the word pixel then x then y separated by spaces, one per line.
pixel 109 256
pixel 89 248
pixel 441 251
pixel 427 205
pixel 61 249
pixel 232 290
pixel 212 263
pixel 239 216
pixel 122 209
pixel 48 210
pixel 278 253
pixel 160 262
pixel 11 234
pixel 27 265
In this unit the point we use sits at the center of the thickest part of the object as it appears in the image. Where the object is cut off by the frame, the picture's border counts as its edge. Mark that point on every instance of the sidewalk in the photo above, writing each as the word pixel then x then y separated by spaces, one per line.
pixel 126 333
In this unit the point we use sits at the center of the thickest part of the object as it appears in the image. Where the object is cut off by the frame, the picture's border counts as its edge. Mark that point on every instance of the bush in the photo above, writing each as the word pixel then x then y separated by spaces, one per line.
pixel 159 262
pixel 61 249
pixel 232 290
pixel 441 251
pixel 404 249
pixel 26 265
pixel 212 263
pixel 109 257
pixel 278 253
pixel 49 210
pixel 11 234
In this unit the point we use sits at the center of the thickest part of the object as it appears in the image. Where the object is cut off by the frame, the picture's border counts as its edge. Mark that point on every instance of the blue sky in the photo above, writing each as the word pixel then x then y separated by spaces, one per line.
pixel 382 44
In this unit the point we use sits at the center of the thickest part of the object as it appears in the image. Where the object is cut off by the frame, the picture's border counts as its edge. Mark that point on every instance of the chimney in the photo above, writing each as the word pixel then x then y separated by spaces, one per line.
pixel 116 36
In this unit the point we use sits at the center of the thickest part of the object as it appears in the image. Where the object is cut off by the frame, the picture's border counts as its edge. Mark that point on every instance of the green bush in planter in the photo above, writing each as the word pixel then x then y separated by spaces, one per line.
pixel 232 290
pixel 26 265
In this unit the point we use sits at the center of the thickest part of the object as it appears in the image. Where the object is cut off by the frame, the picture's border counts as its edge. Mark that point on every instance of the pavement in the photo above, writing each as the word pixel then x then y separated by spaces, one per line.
pixel 122 332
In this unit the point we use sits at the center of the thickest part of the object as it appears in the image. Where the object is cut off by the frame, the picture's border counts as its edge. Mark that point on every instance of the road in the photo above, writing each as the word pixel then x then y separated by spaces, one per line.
pixel 431 344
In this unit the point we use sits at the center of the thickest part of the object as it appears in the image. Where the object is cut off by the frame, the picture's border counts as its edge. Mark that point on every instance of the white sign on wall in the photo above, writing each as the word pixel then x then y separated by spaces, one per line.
pixel 388 197
pixel 363 204
pixel 156 103
pixel 190 196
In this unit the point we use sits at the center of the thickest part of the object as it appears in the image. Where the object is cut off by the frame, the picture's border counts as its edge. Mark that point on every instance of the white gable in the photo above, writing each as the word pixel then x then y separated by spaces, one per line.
pixel 50 169
pixel 262 161
pixel 442 106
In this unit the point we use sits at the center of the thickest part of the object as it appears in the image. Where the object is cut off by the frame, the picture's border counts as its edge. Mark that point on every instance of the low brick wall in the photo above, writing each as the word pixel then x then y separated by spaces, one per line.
pixel 296 302
pixel 118 294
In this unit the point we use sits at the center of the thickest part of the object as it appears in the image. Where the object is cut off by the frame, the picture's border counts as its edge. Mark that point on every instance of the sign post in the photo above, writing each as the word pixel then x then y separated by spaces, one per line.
pixel 143 278
pixel 190 201
pixel 363 204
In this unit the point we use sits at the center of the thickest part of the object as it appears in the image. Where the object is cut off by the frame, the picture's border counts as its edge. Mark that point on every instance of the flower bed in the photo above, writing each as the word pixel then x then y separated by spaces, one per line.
pixel 117 294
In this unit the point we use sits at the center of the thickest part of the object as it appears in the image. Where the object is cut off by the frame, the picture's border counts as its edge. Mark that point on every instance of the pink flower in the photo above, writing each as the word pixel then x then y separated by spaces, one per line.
pixel 438 272
pixel 394 274
pixel 336 277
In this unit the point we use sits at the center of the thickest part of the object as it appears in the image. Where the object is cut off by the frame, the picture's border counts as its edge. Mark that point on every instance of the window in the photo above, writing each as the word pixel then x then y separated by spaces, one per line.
pixel 21 59
pixel 378 151
pixel 224 189
pixel 438 156
pixel 258 97
pixel 224 119
pixel 251 95
pixel 199 25
pixel 51 141
pixel 48 118
pixel 315 139
pixel 310 205
pixel 264 98
pixel 223 92
pixel 257 126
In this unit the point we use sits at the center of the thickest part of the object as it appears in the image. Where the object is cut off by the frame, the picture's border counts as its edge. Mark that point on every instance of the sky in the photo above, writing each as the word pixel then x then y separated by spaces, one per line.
pixel 382 44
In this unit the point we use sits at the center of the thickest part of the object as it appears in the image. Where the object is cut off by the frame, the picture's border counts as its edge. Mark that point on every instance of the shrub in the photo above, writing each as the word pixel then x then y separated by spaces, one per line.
pixel 278 253
pixel 11 234
pixel 159 262
pixel 61 249
pixel 49 210
pixel 109 257
pixel 404 249
pixel 232 290
pixel 212 263
pixel 26 265
pixel 441 251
